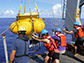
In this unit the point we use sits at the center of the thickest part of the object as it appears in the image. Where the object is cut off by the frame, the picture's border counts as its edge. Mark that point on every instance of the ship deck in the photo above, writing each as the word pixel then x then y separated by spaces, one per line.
pixel 67 58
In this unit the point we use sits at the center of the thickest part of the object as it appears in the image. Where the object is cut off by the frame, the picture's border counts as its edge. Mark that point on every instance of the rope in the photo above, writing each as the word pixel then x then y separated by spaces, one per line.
pixel 69 15
pixel 25 6
pixel 50 22
pixel 30 14
pixel 29 6
pixel 55 24
pixel 4 31
pixel 9 28
pixel 36 7
pixel 20 6
pixel 15 21
pixel 62 9
pixel 31 19
pixel 52 9
pixel 32 25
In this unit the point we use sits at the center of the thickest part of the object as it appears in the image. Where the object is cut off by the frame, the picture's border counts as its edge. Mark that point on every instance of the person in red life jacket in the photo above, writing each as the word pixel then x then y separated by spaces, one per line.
pixel 60 40
pixel 50 45
pixel 83 28
pixel 78 34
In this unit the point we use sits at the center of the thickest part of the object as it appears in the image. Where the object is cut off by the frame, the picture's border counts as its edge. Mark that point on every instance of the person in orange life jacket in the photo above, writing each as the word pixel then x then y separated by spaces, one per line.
pixel 60 40
pixel 19 52
pixel 83 28
pixel 49 44
pixel 78 34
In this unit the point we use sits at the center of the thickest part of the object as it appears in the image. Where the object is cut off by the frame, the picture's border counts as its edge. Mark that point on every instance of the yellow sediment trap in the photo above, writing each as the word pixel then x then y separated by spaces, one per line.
pixel 24 20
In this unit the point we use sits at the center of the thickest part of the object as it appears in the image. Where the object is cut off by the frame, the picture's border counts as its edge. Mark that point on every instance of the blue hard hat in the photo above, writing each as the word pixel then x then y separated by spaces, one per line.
pixel 44 31
pixel 76 23
pixel 58 30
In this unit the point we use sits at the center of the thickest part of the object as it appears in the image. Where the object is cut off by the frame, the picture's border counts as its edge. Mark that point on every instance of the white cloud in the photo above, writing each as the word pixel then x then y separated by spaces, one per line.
pixel 9 12
pixel 45 12
pixel 56 10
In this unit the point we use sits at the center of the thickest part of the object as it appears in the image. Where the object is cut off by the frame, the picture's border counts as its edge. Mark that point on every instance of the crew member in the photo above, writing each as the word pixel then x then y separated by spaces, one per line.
pixel 53 32
pixel 50 45
pixel 78 34
pixel 60 40
pixel 19 52
pixel 83 28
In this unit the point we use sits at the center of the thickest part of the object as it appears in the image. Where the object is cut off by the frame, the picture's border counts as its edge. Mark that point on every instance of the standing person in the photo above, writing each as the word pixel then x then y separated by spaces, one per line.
pixel 78 34
pixel 53 32
pixel 83 28
pixel 60 40
pixel 19 52
pixel 50 46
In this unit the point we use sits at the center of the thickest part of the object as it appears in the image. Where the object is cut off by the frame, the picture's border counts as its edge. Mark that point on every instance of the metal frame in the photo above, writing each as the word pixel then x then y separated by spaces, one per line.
pixel 35 50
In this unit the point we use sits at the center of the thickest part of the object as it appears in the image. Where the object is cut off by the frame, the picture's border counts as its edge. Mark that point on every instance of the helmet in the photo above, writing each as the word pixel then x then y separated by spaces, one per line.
pixel 76 23
pixel 58 30
pixel 21 29
pixel 44 31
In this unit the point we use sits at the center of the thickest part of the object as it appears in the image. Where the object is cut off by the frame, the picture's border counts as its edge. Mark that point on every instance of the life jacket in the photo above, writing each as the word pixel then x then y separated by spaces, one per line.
pixel 80 33
pixel 62 40
pixel 51 46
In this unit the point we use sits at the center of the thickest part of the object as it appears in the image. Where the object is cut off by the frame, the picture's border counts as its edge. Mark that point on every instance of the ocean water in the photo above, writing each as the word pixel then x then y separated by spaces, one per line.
pixel 10 37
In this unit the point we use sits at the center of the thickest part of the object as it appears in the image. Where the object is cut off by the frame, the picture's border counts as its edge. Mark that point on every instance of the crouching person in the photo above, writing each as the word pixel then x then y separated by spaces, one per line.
pixel 50 46
pixel 60 40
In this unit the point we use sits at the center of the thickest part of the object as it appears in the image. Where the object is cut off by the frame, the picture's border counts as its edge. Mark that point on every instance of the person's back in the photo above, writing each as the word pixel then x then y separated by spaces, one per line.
pixel 19 53
pixel 19 46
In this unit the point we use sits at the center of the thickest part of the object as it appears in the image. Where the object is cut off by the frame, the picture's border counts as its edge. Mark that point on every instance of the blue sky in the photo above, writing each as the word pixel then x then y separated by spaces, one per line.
pixel 10 8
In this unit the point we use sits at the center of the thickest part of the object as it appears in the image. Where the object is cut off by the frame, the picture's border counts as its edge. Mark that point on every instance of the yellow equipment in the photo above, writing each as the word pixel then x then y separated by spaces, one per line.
pixel 29 21
pixel 38 25
pixel 26 22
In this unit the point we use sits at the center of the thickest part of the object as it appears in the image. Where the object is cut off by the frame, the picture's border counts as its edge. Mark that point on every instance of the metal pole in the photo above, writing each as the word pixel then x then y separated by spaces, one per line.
pixel 5 48
pixel 78 12
pixel 63 17
pixel 78 3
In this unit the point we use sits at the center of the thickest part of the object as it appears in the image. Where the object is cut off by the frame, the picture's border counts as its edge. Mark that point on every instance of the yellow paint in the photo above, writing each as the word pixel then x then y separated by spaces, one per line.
pixel 77 14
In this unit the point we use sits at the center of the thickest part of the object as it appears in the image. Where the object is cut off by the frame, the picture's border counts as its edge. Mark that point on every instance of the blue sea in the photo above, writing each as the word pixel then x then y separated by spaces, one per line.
pixel 10 37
